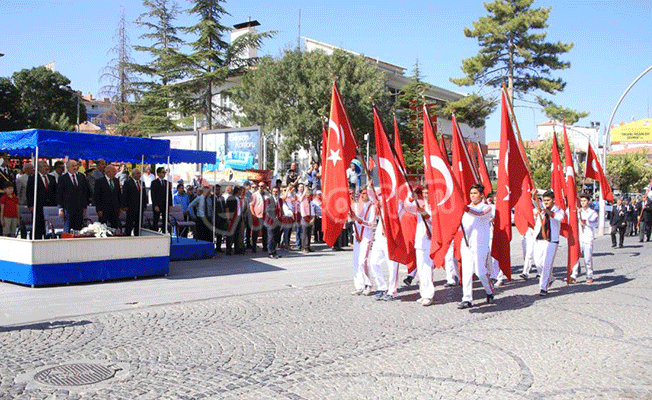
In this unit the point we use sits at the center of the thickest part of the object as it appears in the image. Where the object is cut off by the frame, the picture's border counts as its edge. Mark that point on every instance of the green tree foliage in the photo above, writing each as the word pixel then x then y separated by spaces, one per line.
pixel 556 112
pixel 155 91
pixel 540 159
pixel 629 172
pixel 212 60
pixel 293 93
pixel 11 115
pixel 472 109
pixel 60 122
pixel 43 93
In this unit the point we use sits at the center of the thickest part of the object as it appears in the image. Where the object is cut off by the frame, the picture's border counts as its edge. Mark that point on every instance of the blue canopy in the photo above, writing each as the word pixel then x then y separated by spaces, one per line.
pixel 191 156
pixel 86 146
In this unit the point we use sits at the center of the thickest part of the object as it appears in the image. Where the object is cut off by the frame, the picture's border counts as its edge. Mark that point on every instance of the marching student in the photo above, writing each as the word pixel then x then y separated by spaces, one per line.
pixel 363 235
pixel 475 248
pixel 421 209
pixel 451 267
pixel 527 243
pixel 588 222
pixel 547 239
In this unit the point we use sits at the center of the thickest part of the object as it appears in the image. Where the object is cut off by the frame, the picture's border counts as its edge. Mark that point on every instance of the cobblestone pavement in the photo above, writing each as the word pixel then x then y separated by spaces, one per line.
pixel 319 342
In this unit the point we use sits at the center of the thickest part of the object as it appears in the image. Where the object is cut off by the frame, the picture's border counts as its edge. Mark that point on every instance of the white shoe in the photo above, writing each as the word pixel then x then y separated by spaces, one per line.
pixel 427 302
pixel 357 292
pixel 420 300
pixel 367 291
pixel 498 283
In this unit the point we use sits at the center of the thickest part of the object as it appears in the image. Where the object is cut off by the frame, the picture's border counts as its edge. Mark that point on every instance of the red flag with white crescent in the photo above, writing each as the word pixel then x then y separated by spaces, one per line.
pixel 573 230
pixel 594 171
pixel 408 220
pixel 484 173
pixel 340 150
pixel 391 180
pixel 444 195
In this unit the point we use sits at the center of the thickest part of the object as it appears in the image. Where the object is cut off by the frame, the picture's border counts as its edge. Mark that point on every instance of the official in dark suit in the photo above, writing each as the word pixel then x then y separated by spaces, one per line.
pixel 159 188
pixel 46 195
pixel 618 223
pixel 220 220
pixel 232 220
pixel 72 197
pixel 133 196
pixel 108 198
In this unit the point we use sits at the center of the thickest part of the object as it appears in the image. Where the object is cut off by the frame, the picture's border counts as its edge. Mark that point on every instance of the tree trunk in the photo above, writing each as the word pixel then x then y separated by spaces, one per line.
pixel 510 72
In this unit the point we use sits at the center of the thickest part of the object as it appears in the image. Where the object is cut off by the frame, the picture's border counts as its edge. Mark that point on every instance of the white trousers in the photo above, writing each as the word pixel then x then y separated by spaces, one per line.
pixel 424 269
pixel 379 255
pixel 544 257
pixel 587 252
pixel 392 280
pixel 361 252
pixel 527 243
pixel 496 272
pixel 474 262
pixel 450 264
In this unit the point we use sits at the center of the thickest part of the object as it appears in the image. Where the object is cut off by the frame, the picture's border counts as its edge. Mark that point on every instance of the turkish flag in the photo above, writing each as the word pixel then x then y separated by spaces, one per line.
pixel 392 179
pixel 572 227
pixel 595 172
pixel 557 180
pixel 340 150
pixel 484 173
pixel 463 169
pixel 408 220
pixel 444 194
pixel 513 191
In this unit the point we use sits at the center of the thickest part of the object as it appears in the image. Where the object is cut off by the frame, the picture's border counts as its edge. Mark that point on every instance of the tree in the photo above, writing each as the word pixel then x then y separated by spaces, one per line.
pixel 11 115
pixel 120 81
pixel 629 172
pixel 155 91
pixel 213 60
pixel 540 159
pixel 43 93
pixel 293 93
pixel 555 112
pixel 472 109
pixel 513 47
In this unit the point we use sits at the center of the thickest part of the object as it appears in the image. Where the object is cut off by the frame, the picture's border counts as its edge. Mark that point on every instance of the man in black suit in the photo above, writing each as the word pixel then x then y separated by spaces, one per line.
pixel 618 223
pixel 231 217
pixel 220 221
pixel 108 198
pixel 72 197
pixel 159 188
pixel 133 197
pixel 46 195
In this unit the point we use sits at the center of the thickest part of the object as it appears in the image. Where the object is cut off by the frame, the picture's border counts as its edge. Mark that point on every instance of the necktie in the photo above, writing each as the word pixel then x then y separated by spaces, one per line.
pixel 45 181
pixel 74 180
pixel 138 185
pixel 111 184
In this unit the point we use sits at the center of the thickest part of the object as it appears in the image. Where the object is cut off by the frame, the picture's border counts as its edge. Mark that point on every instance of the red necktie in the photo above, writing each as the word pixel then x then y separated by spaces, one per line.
pixel 45 180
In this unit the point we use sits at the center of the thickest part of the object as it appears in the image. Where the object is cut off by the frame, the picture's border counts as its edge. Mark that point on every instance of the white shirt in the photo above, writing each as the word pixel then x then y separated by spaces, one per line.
pixel 351 176
pixel 555 224
pixel 421 239
pixel 587 232
pixel 478 227
pixel 367 213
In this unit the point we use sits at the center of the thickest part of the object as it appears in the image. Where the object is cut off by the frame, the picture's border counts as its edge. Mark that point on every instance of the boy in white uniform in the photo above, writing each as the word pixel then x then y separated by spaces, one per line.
pixel 451 267
pixel 588 222
pixel 363 235
pixel 527 242
pixel 547 240
pixel 421 209
pixel 475 250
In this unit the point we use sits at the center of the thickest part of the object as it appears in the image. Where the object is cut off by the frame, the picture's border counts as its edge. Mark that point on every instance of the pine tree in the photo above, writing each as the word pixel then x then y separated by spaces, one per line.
pixel 156 90
pixel 213 60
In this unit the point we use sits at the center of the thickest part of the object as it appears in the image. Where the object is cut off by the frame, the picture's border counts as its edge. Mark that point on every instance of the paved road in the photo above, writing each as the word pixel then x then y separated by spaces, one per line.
pixel 288 329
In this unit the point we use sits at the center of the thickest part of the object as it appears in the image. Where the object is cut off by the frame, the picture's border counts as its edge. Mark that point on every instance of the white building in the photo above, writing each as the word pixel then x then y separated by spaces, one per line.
pixel 579 136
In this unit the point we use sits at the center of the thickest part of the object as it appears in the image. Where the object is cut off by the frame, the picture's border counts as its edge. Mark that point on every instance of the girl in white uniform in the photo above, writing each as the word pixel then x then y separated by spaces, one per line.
pixel 364 218
pixel 475 250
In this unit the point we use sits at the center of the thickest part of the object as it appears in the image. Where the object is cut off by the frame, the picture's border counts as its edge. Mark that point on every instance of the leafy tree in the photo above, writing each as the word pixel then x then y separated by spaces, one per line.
pixel 11 115
pixel 540 159
pixel 629 172
pixel 43 93
pixel 155 91
pixel 513 47
pixel 212 60
pixel 60 122
pixel 472 109
pixel 293 93
pixel 555 112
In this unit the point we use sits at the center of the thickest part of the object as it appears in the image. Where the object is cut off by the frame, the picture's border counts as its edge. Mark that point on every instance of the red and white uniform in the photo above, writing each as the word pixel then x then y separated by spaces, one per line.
pixel 587 234
pixel 545 250
pixel 476 249
pixel 422 247
pixel 363 235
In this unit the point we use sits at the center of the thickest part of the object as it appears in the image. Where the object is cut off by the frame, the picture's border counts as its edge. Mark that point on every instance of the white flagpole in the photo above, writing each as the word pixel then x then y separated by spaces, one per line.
pixel 140 205
pixel 35 196
pixel 167 200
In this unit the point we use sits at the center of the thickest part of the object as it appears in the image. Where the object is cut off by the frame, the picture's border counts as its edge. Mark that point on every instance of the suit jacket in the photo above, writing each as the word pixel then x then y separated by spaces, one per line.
pixel 44 197
pixel 616 218
pixel 131 196
pixel 107 200
pixel 70 198
pixel 158 193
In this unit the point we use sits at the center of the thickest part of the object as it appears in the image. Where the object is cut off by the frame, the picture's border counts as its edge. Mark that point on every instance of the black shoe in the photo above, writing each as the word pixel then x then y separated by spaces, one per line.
pixel 620 246
pixel 464 304
pixel 408 280
pixel 490 299
pixel 524 277
pixel 274 256
pixel 543 293
pixel 450 284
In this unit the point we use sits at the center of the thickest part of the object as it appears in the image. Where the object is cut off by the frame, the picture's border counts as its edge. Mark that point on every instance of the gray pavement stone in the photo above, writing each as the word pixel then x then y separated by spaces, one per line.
pixel 240 335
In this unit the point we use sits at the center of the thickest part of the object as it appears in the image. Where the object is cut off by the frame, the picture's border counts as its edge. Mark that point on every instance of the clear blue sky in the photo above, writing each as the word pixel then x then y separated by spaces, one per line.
pixel 612 41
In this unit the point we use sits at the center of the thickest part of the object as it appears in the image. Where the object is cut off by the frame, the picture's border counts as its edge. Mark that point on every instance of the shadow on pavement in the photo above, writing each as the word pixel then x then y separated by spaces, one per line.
pixel 42 326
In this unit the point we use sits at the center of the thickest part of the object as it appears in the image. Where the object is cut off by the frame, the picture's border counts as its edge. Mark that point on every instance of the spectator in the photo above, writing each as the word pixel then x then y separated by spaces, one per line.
pixel 46 196
pixel 97 174
pixel 135 202
pixel 316 207
pixel 9 212
pixel 7 177
pixel 273 214
pixel 161 196
pixel 201 211
pixel 190 191
pixel 257 208
pixel 72 196
pixel 58 171
pixel 21 183
pixel 314 177
pixel 108 198
pixel 352 178
pixel 292 175
pixel 182 199
pixel 307 220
